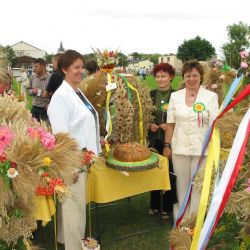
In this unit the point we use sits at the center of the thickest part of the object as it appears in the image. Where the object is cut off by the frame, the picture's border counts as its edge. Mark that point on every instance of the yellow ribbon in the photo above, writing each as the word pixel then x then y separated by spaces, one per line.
pixel 212 160
pixel 140 112
pixel 109 121
pixel 55 226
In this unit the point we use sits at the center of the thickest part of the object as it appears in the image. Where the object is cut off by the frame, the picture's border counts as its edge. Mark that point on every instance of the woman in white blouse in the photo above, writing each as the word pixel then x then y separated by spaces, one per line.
pixel 191 111
pixel 70 112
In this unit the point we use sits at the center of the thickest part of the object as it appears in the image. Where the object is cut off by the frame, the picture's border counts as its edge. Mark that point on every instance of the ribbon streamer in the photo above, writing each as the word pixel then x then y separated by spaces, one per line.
pixel 108 116
pixel 227 181
pixel 212 160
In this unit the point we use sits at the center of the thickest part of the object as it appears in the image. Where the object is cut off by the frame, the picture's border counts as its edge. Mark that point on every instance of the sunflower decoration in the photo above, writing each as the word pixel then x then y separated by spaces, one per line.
pixel 198 108
pixel 164 107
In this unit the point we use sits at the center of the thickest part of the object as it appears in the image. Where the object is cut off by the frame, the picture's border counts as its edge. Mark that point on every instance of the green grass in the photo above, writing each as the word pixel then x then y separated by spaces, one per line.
pixel 17 88
pixel 120 220
pixel 151 83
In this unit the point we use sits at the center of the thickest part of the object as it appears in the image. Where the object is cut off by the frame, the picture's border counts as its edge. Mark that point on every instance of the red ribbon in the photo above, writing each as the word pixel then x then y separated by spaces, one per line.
pixel 232 179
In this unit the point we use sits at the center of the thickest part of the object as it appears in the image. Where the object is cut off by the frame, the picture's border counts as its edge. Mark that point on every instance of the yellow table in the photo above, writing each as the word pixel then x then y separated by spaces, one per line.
pixel 105 184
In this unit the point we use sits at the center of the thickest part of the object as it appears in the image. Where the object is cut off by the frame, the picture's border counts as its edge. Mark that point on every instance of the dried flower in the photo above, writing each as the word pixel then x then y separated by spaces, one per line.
pixel 47 139
pixel 243 65
pixel 47 161
pixel 244 54
pixel 6 137
pixel 12 173
pixel 214 86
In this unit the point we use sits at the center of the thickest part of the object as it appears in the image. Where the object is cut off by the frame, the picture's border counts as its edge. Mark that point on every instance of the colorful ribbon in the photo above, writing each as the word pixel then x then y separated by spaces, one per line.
pixel 212 160
pixel 227 181
pixel 108 116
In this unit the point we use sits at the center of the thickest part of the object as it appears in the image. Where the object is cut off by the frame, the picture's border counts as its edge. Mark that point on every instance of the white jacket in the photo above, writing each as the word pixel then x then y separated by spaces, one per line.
pixel 188 136
pixel 67 113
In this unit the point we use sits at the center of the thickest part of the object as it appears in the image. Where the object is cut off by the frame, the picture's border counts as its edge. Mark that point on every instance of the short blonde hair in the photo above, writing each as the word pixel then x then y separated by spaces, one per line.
pixel 5 76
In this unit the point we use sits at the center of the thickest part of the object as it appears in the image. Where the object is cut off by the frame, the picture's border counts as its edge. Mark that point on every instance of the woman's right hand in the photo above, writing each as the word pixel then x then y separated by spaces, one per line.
pixel 153 127
pixel 167 152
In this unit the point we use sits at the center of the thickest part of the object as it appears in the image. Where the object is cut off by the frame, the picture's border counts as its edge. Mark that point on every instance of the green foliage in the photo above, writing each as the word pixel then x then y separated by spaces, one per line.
pixel 197 48
pixel 10 54
pixel 123 60
pixel 19 246
pixel 48 58
pixel 238 41
pixel 151 83
pixel 226 234
pixel 88 57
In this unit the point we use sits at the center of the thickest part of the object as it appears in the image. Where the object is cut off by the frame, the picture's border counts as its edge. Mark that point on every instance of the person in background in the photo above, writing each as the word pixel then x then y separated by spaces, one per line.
pixel 70 112
pixel 91 67
pixel 164 74
pixel 37 86
pixel 5 82
pixel 190 113
pixel 56 78
pixel 24 81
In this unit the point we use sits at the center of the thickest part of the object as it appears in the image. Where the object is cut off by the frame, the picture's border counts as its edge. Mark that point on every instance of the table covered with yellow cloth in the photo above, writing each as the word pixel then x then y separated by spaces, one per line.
pixel 105 185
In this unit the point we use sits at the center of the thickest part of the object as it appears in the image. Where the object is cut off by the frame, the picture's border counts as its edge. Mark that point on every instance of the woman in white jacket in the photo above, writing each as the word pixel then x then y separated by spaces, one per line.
pixel 69 111
pixel 190 113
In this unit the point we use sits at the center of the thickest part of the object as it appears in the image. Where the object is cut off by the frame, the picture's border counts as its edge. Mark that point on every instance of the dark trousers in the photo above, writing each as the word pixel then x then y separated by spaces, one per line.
pixel 167 198
pixel 39 113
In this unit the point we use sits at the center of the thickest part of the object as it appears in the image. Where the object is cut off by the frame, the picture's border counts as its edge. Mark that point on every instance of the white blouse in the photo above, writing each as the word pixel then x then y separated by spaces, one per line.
pixel 189 133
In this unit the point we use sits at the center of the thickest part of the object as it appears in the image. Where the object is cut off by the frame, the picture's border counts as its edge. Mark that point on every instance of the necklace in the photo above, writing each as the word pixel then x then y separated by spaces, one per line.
pixel 163 97
pixel 192 98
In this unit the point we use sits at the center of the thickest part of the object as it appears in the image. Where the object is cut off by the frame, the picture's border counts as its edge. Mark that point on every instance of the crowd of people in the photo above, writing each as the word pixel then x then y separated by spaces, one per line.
pixel 177 131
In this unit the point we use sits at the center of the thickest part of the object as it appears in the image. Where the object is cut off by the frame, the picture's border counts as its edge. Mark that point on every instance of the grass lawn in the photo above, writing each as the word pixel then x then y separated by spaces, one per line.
pixel 120 220
pixel 151 83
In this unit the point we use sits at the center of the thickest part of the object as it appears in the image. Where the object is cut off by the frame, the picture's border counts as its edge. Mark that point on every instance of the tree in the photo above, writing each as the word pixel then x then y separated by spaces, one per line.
pixel 238 41
pixel 48 58
pixel 123 60
pixel 197 48
pixel 136 55
pixel 10 55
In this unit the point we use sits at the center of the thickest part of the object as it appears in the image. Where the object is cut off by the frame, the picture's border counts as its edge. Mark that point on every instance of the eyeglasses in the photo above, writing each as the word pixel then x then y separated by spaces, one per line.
pixel 189 76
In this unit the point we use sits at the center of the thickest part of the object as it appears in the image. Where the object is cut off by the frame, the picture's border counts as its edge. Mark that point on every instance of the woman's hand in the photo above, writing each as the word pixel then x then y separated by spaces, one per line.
pixel 153 127
pixel 167 152
pixel 163 126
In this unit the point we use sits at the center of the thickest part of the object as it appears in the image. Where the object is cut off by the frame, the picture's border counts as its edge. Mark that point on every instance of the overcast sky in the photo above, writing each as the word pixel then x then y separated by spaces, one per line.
pixel 149 26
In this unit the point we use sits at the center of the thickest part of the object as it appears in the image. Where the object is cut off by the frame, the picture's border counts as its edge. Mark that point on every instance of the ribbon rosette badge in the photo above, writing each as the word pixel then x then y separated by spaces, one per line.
pixel 164 107
pixel 198 108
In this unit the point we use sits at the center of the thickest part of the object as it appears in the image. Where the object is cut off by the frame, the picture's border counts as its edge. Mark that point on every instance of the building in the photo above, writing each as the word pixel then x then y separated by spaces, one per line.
pixel 26 53
pixel 24 49
pixel 61 49
pixel 135 65
pixel 171 59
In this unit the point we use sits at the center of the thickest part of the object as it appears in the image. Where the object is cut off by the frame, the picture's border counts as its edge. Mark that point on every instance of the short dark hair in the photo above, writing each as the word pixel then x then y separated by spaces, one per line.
pixel 189 65
pixel 40 61
pixel 166 67
pixel 68 58
pixel 92 66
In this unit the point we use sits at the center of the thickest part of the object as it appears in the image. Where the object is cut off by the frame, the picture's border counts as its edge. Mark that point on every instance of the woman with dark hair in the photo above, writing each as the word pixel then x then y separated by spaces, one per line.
pixel 163 73
pixel 70 112
pixel 191 111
